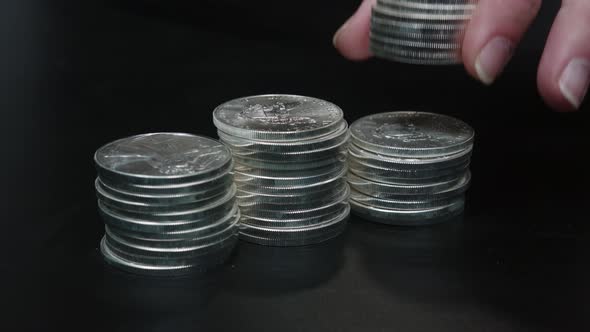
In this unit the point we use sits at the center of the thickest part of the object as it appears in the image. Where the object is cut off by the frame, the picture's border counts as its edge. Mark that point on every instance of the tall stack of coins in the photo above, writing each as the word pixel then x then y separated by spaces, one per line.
pixel 168 203
pixel 290 162
pixel 420 31
pixel 409 168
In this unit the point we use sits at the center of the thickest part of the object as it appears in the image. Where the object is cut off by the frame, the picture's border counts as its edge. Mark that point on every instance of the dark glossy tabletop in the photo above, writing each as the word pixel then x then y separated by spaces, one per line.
pixel 75 76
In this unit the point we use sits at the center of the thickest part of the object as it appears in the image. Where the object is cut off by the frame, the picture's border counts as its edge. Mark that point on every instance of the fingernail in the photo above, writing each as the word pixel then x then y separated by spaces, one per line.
pixel 574 81
pixel 492 59
pixel 338 33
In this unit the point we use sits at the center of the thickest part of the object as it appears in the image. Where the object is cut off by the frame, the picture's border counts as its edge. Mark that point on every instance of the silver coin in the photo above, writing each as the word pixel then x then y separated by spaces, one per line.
pixel 276 165
pixel 171 268
pixel 416 58
pixel 425 16
pixel 216 233
pixel 450 23
pixel 410 163
pixel 162 158
pixel 409 176
pixel 295 223
pixel 248 145
pixel 430 27
pixel 427 5
pixel 408 218
pixel 295 210
pixel 137 206
pixel 179 198
pixel 415 53
pixel 412 134
pixel 206 218
pixel 406 205
pixel 382 32
pixel 297 189
pixel 256 212
pixel 376 189
pixel 294 205
pixel 432 10
pixel 296 236
pixel 413 44
pixel 296 201
pixel 460 188
pixel 288 182
pixel 242 170
pixel 224 203
pixel 422 44
pixel 200 229
pixel 164 255
pixel 192 188
pixel 277 117
pixel 410 38
pixel 289 157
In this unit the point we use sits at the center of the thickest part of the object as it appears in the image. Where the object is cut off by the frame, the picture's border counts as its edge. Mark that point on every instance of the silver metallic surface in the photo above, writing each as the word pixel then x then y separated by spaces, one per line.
pixel 166 198
pixel 403 204
pixel 123 204
pixel 408 217
pixel 270 184
pixel 277 117
pixel 343 209
pixel 388 175
pixel 197 187
pixel 276 165
pixel 296 189
pixel 296 236
pixel 201 240
pixel 408 163
pixel 412 134
pixel 162 158
pixel 237 144
pixel 161 255
pixel 173 232
pixel 171 268
pixel 379 189
pixel 420 32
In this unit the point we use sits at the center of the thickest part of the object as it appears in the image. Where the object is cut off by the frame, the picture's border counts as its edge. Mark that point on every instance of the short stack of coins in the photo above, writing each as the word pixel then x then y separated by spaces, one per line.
pixel 168 203
pixel 420 31
pixel 409 168
pixel 289 167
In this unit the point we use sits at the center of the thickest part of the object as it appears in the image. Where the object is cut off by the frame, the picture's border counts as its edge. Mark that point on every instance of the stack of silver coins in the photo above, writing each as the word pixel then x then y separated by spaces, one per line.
pixel 409 168
pixel 168 203
pixel 290 166
pixel 420 31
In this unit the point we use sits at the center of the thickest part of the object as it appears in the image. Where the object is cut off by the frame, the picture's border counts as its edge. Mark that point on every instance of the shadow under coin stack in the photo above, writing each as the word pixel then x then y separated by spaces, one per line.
pixel 290 162
pixel 409 168
pixel 420 31
pixel 168 203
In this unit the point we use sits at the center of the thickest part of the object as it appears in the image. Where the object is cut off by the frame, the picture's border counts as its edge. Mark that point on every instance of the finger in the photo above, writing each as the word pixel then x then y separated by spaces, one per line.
pixel 495 29
pixel 352 39
pixel 564 72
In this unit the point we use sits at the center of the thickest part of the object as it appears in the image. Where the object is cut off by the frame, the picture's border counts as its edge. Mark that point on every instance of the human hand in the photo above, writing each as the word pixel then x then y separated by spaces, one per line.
pixel 492 34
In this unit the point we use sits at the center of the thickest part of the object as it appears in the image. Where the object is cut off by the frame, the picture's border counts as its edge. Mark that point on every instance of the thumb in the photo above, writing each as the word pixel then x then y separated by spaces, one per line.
pixel 352 39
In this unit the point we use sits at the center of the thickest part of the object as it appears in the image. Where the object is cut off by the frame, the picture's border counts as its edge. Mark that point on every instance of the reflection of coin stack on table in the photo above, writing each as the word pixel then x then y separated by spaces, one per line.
pixel 420 31
pixel 409 168
pixel 168 203
pixel 290 162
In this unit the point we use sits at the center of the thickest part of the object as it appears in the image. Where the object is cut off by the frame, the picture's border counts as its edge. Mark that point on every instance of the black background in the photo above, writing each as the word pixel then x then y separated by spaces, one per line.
pixel 75 75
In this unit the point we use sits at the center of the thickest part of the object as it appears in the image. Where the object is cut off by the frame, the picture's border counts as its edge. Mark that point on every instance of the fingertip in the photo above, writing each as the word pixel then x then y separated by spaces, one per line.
pixel 352 38
pixel 552 95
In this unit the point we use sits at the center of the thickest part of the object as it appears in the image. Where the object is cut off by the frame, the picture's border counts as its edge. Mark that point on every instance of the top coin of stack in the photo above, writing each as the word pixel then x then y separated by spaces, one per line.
pixel 290 162
pixel 409 168
pixel 420 31
pixel 168 203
